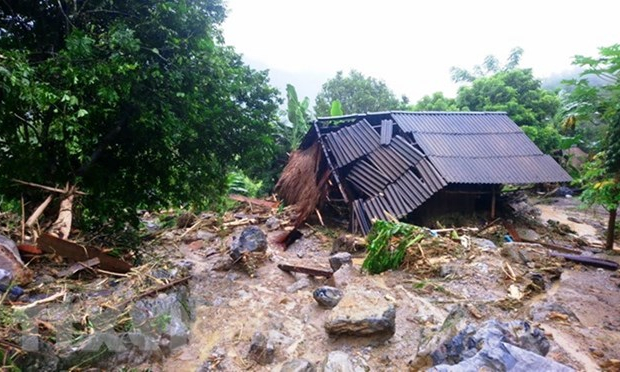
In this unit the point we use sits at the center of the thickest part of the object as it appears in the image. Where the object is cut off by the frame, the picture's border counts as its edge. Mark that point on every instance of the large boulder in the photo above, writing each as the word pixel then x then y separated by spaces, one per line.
pixel 252 239
pixel 362 313
pixel 11 262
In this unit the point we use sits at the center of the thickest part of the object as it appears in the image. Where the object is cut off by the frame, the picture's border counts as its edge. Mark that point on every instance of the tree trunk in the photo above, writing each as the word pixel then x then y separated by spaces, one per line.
pixel 611 227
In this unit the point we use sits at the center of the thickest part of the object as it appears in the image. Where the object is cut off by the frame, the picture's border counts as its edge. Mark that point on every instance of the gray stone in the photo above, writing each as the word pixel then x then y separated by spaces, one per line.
pixel 298 365
pixel 362 313
pixel 11 262
pixel 522 253
pixel 206 236
pixel 338 361
pixel 298 285
pixel 528 234
pixel 252 239
pixel 339 259
pixel 327 296
pixel 484 244
pixel 348 243
pixel 513 346
pixel 262 350
pixel 272 223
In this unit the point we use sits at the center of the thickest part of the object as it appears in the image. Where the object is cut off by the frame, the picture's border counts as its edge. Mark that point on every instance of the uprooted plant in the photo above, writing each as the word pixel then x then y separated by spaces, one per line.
pixel 388 243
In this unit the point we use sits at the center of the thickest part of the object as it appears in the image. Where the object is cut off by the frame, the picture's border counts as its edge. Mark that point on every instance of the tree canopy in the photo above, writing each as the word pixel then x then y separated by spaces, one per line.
pixel 137 102
pixel 357 94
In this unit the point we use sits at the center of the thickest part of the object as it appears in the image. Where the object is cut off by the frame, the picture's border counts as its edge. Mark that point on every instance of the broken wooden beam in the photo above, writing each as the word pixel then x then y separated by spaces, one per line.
pixel 305 270
pixel 253 201
pixel 554 247
pixel 78 266
pixel 51 244
pixel 589 261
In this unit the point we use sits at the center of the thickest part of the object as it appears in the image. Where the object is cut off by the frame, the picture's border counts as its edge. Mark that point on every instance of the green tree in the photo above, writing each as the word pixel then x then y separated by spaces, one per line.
pixel 490 66
pixel 436 102
pixel 516 92
pixel 137 102
pixel 357 94
pixel 601 178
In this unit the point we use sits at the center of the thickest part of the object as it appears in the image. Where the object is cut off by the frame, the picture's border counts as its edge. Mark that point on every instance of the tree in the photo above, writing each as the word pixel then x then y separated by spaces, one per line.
pixel 601 178
pixel 137 102
pixel 357 94
pixel 516 92
pixel 490 66
pixel 436 102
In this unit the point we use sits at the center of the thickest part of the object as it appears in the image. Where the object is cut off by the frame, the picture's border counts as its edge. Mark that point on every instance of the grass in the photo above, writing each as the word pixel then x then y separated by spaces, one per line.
pixel 388 243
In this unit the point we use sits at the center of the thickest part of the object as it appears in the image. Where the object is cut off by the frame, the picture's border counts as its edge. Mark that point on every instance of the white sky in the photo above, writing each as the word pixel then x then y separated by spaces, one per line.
pixel 411 45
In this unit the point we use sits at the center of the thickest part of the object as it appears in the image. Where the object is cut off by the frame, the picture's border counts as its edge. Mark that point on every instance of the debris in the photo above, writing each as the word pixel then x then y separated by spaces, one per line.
pixel 186 219
pixel 514 292
pixel 37 213
pixel 11 262
pixel 254 202
pixel 5 284
pixel 590 261
pixel 327 296
pixel 558 316
pixel 51 298
pixel 252 239
pixel 62 226
pixel 30 249
pixel 78 266
pixel 298 365
pixel 388 243
pixel 47 188
pixel 348 243
pixel 554 247
pixel 241 222
pixel 305 270
pixel 76 252
pixel 154 290
pixel 262 350
pixel 362 313
pixel 512 346
pixel 336 261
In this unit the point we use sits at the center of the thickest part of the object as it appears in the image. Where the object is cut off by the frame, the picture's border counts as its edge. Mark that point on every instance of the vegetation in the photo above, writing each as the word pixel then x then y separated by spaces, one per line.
pixel 387 244
pixel 357 94
pixel 137 103
pixel 600 105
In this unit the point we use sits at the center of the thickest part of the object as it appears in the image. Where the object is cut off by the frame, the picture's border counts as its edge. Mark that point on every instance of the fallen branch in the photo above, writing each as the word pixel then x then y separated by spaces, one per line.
pixel 42 301
pixel 37 213
pixel 62 225
pixel 590 261
pixel 241 222
pixel 47 188
pixel 253 201
pixel 154 290
pixel 305 270
pixel 78 266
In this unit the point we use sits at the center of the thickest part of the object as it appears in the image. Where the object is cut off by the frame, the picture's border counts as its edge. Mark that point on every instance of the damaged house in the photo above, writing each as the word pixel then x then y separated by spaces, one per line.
pixel 412 165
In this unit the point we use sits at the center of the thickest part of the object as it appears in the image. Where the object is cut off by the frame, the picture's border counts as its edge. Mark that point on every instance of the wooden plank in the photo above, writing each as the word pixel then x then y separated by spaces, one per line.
pixel 253 201
pixel 305 270
pixel 78 266
pixel 64 248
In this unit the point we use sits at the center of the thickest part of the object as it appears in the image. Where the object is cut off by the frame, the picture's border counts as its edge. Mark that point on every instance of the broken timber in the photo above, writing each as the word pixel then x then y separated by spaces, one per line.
pixel 253 201
pixel 51 244
pixel 78 266
pixel 590 261
pixel 305 270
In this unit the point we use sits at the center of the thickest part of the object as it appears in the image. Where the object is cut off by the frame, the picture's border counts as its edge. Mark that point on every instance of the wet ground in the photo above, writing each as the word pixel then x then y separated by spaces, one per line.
pixel 579 309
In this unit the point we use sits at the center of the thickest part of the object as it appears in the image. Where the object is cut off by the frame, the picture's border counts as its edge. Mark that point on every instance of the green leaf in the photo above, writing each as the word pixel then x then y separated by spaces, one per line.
pixel 336 109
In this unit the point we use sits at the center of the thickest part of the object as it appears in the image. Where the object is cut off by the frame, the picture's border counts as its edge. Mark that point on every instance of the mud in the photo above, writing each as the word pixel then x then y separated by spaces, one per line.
pixel 230 306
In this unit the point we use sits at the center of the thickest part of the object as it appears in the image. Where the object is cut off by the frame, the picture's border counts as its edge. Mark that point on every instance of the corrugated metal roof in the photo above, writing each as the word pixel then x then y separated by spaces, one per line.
pixel 477 145
pixel 455 122
pixel 516 170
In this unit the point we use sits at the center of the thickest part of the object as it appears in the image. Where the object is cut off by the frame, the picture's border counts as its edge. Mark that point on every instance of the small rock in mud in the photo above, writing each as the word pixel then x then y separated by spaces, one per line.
pixel 327 296
pixel 206 236
pixel 272 223
pixel 222 263
pixel 338 361
pixel 522 253
pixel 362 313
pixel 262 350
pixel 298 365
pixel 339 259
pixel 298 285
pixel 348 243
pixel 252 239
pixel 484 244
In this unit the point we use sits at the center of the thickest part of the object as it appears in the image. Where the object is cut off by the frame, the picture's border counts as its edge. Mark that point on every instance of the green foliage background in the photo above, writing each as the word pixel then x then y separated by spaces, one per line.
pixel 139 103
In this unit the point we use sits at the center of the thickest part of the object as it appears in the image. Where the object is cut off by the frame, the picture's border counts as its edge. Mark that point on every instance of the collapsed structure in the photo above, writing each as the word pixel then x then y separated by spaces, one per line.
pixel 399 164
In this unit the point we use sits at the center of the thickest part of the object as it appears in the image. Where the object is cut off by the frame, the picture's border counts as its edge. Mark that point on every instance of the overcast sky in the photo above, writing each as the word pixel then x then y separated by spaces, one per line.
pixel 411 45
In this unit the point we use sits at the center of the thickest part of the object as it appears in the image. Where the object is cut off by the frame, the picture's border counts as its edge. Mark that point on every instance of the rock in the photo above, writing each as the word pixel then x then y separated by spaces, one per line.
pixel 298 285
pixel 522 253
pixel 484 244
pixel 298 365
pixel 348 243
pixel 563 191
pixel 11 262
pixel 206 236
pixel 513 346
pixel 222 263
pixel 338 361
pixel 327 296
pixel 362 313
pixel 272 223
pixel 252 239
pixel 41 358
pixel 262 350
pixel 528 234
pixel 339 259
